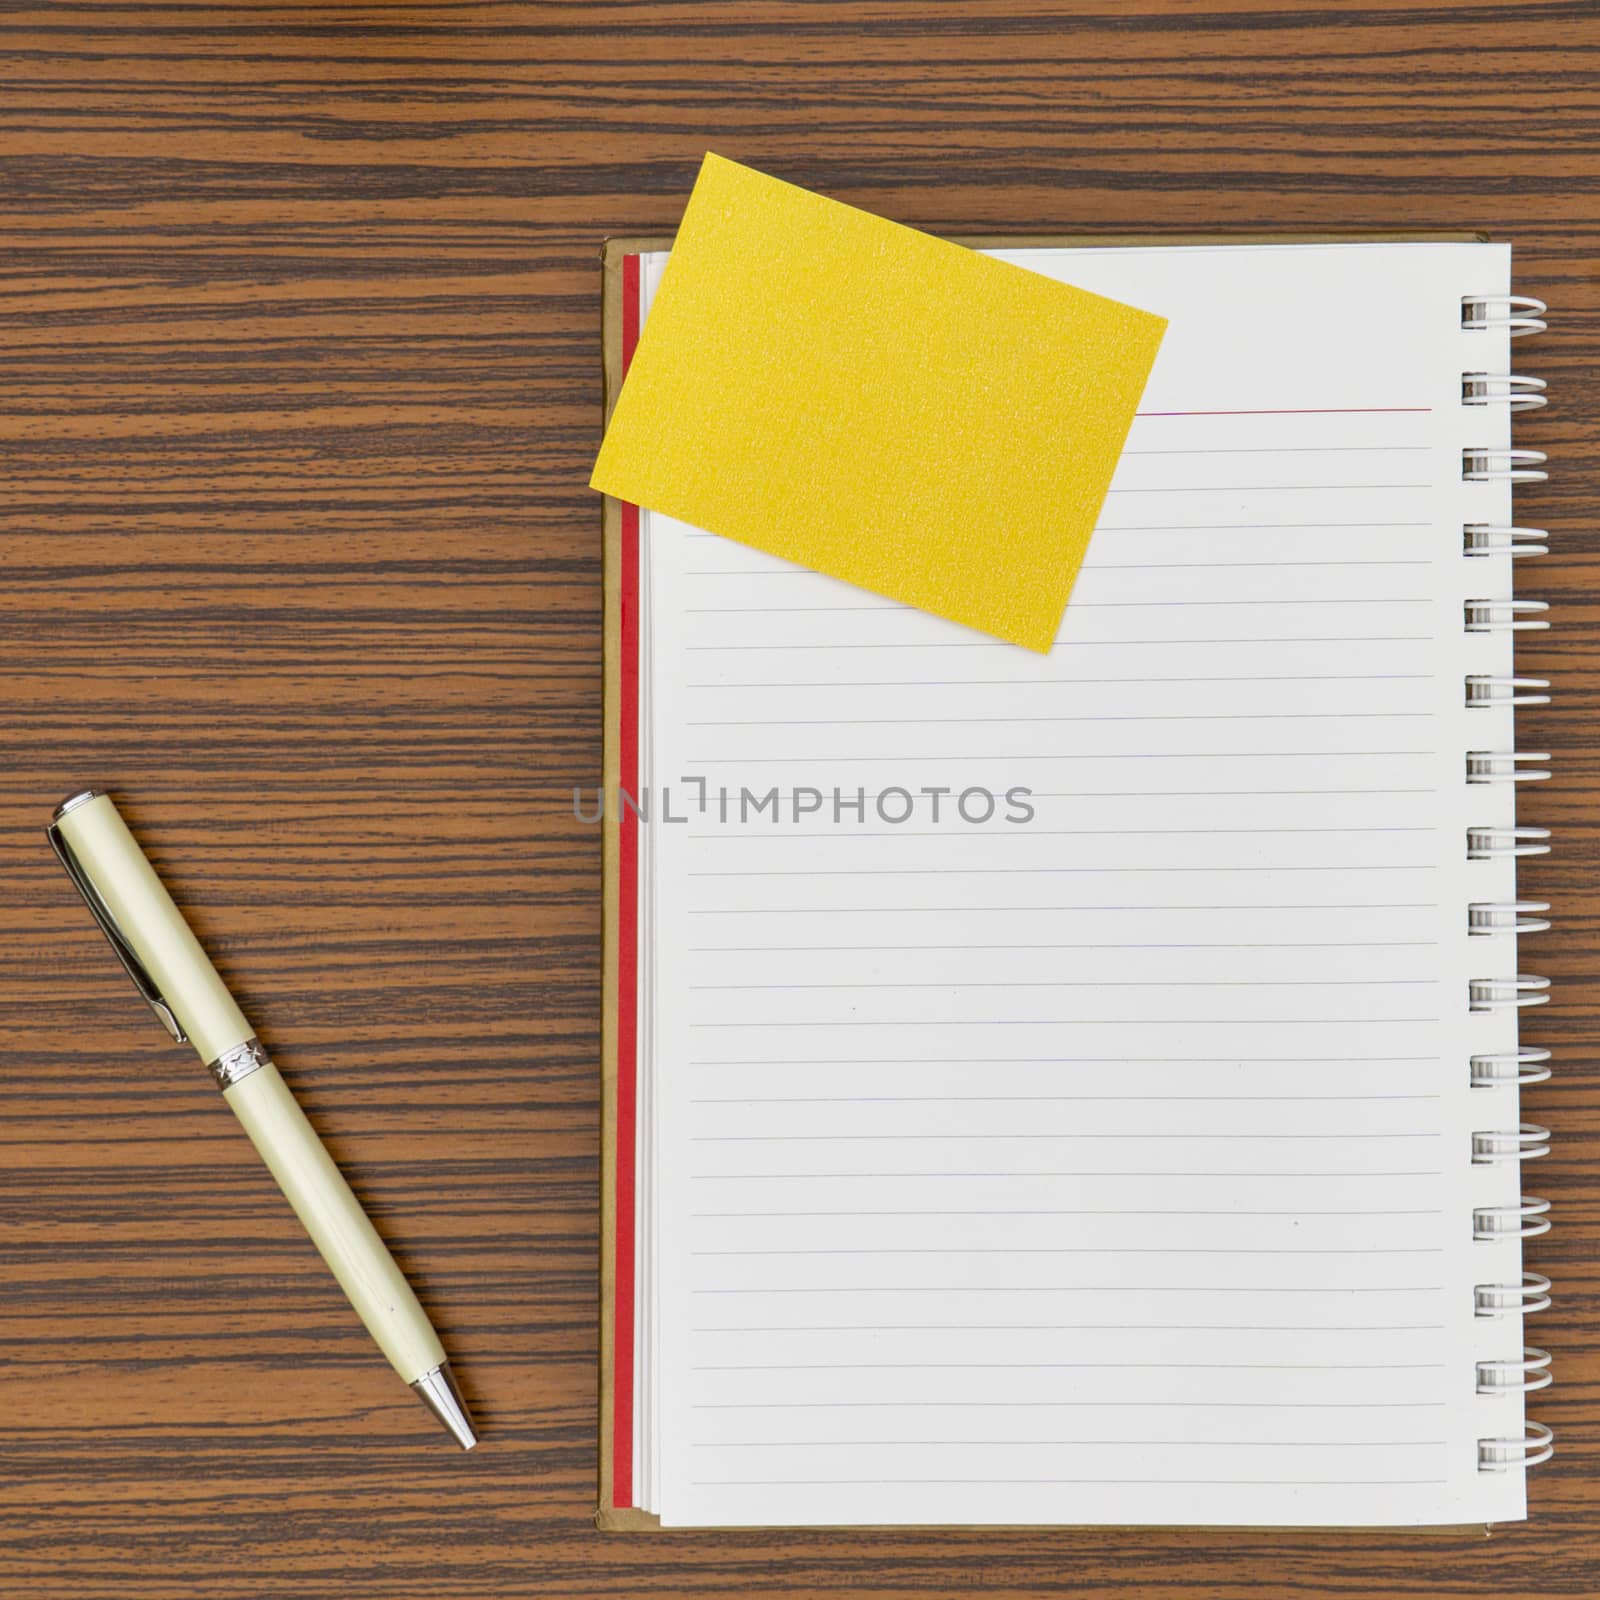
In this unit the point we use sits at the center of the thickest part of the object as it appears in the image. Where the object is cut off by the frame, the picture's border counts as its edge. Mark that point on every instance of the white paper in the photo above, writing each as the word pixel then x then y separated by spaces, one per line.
pixel 1112 1167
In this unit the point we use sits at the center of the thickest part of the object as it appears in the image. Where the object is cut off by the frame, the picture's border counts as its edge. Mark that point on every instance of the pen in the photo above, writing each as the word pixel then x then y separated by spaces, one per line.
pixel 165 961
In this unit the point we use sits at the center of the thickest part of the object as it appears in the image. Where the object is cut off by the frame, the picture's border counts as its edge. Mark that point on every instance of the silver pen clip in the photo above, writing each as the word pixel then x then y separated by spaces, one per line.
pixel 136 969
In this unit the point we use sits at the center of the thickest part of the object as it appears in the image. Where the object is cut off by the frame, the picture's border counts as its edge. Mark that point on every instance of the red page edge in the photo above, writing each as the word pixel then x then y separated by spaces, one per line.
pixel 627 959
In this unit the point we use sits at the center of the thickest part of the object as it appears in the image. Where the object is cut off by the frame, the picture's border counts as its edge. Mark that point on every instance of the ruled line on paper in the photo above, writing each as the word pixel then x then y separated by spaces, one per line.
pixel 1176 716
pixel 1074 1366
pixel 987 1138
pixel 1081 1022
pixel 1095 983
pixel 1291 905
pixel 1140 755
pixel 1168 794
pixel 1075 1327
pixel 1064 644
pixel 1077 1061
pixel 1069 1405
pixel 1095 567
pixel 1074 1250
pixel 1164 794
pixel 1097 944
pixel 889 607
pixel 1274 526
pixel 1030 832
pixel 1052 683
pixel 747 1483
pixel 1202 527
pixel 1115 1172
pixel 1042 871
pixel 1269 488
pixel 1047 1100
pixel 1248 527
pixel 1267 1444
pixel 1101 1288
pixel 1114 1211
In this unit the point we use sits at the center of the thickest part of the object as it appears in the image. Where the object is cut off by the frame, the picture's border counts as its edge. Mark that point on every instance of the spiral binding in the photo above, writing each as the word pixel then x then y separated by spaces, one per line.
pixel 1527 1298
pixel 1483 844
pixel 1505 766
pixel 1528 1369
pixel 1505 616
pixel 1484 690
pixel 1515 993
pixel 1528 1142
pixel 1506 916
pixel 1494 1069
pixel 1500 1455
pixel 1509 389
pixel 1491 539
pixel 1531 1371
pixel 1503 466
pixel 1525 1220
pixel 1517 314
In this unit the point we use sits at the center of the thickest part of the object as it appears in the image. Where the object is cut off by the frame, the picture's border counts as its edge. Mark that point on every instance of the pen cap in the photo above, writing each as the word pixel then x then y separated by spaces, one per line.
pixel 137 901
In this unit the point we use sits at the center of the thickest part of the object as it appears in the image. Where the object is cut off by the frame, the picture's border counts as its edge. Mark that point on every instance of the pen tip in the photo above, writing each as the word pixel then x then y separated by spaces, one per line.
pixel 439 1393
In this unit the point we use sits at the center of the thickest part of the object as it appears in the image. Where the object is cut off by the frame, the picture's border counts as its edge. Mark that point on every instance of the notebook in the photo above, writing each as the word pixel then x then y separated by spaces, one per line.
pixel 1083 1089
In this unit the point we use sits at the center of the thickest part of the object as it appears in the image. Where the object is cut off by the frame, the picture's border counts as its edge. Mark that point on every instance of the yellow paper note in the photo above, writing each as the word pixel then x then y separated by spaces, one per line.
pixel 877 404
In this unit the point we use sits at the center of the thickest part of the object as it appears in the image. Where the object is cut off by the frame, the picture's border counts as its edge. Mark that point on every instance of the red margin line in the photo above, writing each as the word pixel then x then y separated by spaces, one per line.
pixel 627 960
pixel 1295 411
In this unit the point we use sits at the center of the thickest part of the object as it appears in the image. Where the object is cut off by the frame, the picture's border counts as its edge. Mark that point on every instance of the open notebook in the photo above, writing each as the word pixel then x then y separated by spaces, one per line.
pixel 1084 1089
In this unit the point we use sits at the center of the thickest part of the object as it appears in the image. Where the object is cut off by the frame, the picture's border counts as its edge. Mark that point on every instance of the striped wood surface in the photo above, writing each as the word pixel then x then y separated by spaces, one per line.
pixel 299 384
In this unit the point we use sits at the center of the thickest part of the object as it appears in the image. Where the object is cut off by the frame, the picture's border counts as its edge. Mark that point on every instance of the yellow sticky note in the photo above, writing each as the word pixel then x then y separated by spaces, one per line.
pixel 880 405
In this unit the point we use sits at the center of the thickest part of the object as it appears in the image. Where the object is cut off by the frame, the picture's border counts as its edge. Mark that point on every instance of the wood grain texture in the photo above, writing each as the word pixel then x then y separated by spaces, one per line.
pixel 299 386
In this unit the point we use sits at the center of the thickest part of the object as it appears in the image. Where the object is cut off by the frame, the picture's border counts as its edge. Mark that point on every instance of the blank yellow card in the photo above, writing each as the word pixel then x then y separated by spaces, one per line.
pixel 877 404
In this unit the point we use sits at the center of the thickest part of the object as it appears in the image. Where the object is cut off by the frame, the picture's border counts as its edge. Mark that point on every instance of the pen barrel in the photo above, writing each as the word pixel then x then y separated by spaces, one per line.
pixel 333 1217
pixel 153 926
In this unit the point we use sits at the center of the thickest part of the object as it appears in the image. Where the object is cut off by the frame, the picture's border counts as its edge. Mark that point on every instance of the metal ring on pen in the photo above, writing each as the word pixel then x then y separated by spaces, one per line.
pixel 1503 466
pixel 1508 994
pixel 1521 1376
pixel 1505 616
pixel 1500 539
pixel 1494 1147
pixel 1517 314
pixel 1490 388
pixel 1504 766
pixel 1530 1296
pixel 239 1062
pixel 1484 689
pixel 1506 916
pixel 1526 1065
pixel 1484 844
pixel 1524 1221
pixel 1537 1444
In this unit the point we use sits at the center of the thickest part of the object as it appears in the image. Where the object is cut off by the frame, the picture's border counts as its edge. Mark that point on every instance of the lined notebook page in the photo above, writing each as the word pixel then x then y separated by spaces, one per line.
pixel 1111 1166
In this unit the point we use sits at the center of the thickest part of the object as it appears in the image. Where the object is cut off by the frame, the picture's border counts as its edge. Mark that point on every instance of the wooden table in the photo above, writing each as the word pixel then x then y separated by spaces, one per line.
pixel 299 386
